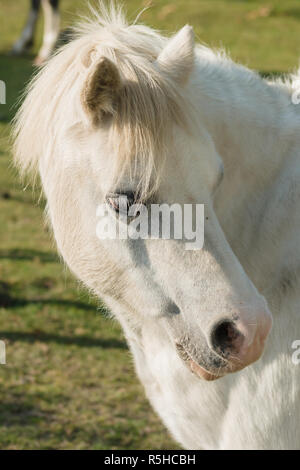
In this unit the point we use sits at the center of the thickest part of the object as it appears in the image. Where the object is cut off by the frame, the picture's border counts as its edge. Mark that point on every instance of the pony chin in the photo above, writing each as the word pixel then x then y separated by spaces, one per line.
pixel 201 372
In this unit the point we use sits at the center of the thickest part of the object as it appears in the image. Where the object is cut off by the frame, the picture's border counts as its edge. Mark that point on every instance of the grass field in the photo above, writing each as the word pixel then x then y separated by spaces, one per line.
pixel 69 381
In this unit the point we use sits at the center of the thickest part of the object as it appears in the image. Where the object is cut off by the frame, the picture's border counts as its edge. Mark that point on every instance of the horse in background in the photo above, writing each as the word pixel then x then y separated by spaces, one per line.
pixel 51 29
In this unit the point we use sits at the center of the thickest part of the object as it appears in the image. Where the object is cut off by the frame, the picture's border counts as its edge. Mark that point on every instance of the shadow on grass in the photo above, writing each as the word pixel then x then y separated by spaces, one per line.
pixel 269 75
pixel 16 73
pixel 9 299
pixel 29 255
pixel 81 340
pixel 16 412
pixel 28 198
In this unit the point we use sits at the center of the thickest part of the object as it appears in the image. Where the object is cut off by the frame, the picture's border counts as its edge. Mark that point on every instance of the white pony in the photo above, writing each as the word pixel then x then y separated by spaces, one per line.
pixel 123 110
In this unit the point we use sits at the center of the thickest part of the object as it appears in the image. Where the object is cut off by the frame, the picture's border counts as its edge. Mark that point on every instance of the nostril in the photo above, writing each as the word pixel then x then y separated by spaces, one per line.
pixel 172 308
pixel 226 339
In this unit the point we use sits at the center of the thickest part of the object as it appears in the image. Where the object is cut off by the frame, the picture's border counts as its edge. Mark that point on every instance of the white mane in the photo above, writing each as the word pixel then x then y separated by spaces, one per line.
pixel 149 103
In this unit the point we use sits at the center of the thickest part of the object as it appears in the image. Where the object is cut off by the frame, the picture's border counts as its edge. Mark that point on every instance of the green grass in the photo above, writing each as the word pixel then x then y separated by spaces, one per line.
pixel 69 381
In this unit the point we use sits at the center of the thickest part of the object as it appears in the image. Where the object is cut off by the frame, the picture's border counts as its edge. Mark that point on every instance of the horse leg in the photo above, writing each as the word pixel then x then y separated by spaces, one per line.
pixel 26 38
pixel 51 30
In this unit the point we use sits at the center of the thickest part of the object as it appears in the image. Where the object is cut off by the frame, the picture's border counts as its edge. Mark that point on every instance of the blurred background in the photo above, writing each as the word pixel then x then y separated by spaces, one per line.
pixel 69 381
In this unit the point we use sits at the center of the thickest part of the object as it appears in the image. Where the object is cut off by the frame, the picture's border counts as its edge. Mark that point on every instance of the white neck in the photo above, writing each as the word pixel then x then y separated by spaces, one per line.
pixel 246 115
pixel 255 128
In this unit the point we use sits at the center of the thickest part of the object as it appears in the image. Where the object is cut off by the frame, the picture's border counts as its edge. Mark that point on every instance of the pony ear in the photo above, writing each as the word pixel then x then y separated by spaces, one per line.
pixel 101 89
pixel 178 57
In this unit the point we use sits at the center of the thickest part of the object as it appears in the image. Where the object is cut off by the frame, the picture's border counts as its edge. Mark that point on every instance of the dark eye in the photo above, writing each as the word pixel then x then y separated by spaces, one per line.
pixel 121 203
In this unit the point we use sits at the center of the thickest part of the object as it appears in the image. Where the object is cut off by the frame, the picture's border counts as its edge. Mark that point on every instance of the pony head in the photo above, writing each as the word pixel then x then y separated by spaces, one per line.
pixel 113 114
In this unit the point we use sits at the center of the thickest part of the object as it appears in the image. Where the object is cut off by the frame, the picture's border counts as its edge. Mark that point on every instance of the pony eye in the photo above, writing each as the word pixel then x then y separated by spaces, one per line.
pixel 121 203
